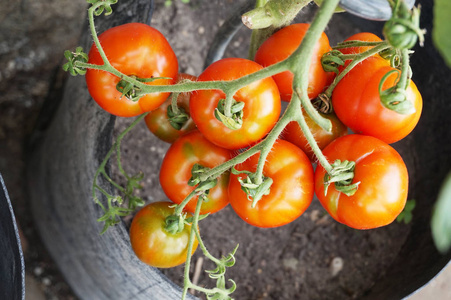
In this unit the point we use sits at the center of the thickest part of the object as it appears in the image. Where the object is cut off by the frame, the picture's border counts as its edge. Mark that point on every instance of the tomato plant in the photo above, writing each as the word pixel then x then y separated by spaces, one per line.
pixel 152 243
pixel 281 45
pixel 136 50
pixel 294 134
pixel 235 104
pixel 158 122
pixel 290 193
pixel 357 102
pixel 190 149
pixel 382 177
pixel 261 105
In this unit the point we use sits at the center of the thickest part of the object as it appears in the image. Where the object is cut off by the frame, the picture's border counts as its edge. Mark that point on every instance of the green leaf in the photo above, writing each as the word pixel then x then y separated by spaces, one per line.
pixel 441 33
pixel 441 220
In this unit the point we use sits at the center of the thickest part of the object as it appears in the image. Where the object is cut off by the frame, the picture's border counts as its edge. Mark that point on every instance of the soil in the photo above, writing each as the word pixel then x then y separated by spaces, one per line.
pixel 312 258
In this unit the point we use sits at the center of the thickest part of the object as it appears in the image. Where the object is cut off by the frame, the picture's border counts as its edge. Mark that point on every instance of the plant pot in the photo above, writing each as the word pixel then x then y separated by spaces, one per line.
pixel 68 150
pixel 12 266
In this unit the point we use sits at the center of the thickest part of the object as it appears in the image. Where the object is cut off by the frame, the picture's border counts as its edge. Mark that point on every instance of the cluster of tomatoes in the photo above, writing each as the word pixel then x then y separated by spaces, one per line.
pixel 201 139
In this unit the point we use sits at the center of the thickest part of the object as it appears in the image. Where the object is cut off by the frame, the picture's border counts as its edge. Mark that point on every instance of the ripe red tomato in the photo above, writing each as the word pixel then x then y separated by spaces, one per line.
pixel 281 45
pixel 290 193
pixel 357 103
pixel 361 36
pixel 134 49
pixel 382 192
pixel 261 104
pixel 151 242
pixel 157 120
pixel 190 149
pixel 294 134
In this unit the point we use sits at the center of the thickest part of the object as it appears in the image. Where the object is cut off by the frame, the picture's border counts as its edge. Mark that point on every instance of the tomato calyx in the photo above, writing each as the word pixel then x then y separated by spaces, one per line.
pixel 254 186
pixel 175 223
pixel 203 186
pixel 178 118
pixel 112 215
pixel 130 187
pixel 393 55
pixel 341 174
pixel 323 103
pixel 131 90
pixel 73 58
pixel 332 61
pixel 395 98
pixel 403 29
pixel 128 89
pixel 235 120
pixel 99 6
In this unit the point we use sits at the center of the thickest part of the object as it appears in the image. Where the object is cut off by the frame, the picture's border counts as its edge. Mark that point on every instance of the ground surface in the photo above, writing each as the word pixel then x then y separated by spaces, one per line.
pixel 292 262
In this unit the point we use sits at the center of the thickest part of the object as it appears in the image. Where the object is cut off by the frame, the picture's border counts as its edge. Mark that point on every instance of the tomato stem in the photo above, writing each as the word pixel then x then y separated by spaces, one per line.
pixel 311 139
pixel 357 59
pixel 405 70
pixel 94 35
pixel 185 201
pixel 187 282
pixel 102 171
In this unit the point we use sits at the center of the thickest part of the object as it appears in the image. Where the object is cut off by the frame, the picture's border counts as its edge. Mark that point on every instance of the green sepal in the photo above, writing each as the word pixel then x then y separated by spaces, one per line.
pixel 236 120
pixel 406 215
pixel 331 61
pixel 105 5
pixel 341 175
pixel 113 214
pixel 177 120
pixel 395 97
pixel 254 191
pixel 175 223
pixel 72 59
pixel 402 30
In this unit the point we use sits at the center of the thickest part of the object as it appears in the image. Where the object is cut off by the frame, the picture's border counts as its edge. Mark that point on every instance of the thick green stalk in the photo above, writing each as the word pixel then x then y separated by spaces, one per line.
pixel 300 64
pixel 311 139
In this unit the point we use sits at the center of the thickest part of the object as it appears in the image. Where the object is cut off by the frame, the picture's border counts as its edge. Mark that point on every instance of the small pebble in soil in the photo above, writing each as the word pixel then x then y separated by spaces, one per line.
pixel 46 281
pixel 290 263
pixel 38 271
pixel 336 265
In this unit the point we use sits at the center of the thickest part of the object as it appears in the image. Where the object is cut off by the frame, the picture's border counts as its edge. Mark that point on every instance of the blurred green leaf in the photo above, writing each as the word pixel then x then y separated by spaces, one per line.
pixel 441 217
pixel 406 215
pixel 441 33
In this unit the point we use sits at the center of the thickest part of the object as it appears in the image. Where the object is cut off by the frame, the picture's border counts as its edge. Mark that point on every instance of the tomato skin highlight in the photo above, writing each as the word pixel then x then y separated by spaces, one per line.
pixel 134 49
pixel 383 189
pixel 193 148
pixel 157 120
pixel 281 45
pixel 293 133
pixel 357 103
pixel 261 104
pixel 150 241
pixel 290 193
